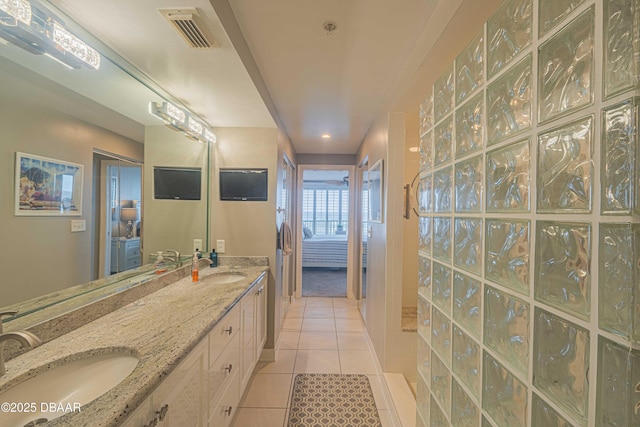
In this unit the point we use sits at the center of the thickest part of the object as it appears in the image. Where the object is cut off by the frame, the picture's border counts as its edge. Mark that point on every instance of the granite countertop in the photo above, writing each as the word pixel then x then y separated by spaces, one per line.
pixel 160 329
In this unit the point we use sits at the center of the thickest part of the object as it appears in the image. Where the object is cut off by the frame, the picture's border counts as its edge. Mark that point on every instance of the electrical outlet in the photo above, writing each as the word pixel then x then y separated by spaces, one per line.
pixel 78 225
pixel 220 246
pixel 197 245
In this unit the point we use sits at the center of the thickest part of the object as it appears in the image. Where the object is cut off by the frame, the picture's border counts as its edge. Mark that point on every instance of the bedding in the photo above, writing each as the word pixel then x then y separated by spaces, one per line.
pixel 325 251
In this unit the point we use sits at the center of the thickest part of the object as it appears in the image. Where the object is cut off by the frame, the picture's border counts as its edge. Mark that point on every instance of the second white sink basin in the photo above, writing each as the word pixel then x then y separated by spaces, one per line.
pixel 65 388
pixel 221 278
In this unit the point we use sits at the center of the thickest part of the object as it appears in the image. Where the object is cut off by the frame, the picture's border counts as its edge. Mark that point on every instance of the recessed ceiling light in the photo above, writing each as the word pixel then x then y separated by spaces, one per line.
pixel 326 136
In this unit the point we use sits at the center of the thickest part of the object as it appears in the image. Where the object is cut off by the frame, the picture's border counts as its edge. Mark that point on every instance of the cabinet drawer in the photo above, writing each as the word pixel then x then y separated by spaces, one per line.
pixel 222 334
pixel 222 412
pixel 224 368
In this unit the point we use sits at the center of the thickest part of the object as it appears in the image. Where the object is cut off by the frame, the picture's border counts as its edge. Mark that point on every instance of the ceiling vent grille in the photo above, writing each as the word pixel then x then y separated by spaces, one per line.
pixel 189 24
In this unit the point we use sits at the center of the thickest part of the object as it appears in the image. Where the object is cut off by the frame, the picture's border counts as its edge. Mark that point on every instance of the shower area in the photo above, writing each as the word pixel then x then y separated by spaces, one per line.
pixel 529 235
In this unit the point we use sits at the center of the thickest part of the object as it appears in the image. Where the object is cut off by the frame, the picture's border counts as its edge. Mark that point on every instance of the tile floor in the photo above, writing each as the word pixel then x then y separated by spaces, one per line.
pixel 319 335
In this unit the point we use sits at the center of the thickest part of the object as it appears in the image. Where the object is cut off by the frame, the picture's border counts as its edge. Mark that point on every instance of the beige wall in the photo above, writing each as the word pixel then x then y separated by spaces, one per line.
pixel 40 254
pixel 172 224
pixel 250 228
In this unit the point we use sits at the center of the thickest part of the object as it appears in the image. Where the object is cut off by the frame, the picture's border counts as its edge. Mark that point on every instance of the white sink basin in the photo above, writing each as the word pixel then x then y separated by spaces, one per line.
pixel 65 388
pixel 221 278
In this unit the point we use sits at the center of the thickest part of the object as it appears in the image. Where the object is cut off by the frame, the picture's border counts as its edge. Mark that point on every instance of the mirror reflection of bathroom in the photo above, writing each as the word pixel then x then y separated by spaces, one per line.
pixel 118 196
pixel 325 224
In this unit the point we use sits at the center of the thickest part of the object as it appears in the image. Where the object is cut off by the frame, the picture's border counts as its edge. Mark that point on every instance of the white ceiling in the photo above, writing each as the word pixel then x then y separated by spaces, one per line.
pixel 276 65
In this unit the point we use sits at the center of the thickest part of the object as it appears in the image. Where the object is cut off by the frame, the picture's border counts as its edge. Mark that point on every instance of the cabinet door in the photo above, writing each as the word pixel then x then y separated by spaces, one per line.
pixel 248 333
pixel 141 417
pixel 261 317
pixel 224 410
pixel 182 396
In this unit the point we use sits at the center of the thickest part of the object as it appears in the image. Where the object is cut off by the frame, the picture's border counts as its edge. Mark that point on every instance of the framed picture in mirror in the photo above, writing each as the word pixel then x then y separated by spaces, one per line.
pixel 47 187
pixel 376 192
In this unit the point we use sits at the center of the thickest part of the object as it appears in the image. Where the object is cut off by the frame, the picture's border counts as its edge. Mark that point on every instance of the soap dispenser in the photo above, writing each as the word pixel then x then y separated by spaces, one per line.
pixel 213 258
pixel 194 268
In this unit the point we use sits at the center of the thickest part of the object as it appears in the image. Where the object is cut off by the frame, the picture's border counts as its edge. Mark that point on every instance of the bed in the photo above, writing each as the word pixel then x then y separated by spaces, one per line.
pixel 325 251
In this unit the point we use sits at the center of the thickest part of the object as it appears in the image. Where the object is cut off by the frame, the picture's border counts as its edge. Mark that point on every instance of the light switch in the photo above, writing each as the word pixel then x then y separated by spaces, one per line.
pixel 78 225
pixel 197 245
pixel 220 246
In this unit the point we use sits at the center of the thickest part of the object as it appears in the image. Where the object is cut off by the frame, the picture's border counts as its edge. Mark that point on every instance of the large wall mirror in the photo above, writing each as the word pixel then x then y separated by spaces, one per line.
pixel 98 119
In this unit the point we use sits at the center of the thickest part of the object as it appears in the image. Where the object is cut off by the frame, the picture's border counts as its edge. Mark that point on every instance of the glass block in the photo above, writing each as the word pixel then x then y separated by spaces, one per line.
pixel 466 360
pixel 506 327
pixel 426 152
pixel 563 257
pixel 508 175
pixel 552 12
pixel 438 418
pixel 443 142
pixel 424 235
pixel 566 68
pixel 508 33
pixel 426 114
pixel 441 335
pixel 442 189
pixel 543 415
pixel 619 280
pixel 469 127
pixel 442 279
pixel 467 244
pixel 424 318
pixel 425 195
pixel 507 254
pixel 565 168
pixel 470 68
pixel 466 413
pixel 440 382
pixel 509 103
pixel 467 294
pixel 424 358
pixel 442 239
pixel 468 183
pixel 443 95
pixel 618 385
pixel 620 46
pixel 561 363
pixel 423 400
pixel 620 152
pixel 504 397
pixel 424 277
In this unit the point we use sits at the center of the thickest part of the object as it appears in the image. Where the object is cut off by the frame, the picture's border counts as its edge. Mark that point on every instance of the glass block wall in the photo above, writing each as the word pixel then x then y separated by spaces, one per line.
pixel 529 235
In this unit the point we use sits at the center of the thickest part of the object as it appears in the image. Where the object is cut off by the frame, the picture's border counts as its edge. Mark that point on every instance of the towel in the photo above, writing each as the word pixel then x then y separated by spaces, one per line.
pixel 285 239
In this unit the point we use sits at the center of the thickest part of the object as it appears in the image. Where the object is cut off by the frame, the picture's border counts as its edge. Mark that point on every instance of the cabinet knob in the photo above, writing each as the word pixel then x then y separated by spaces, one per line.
pixel 229 330
pixel 162 413
pixel 228 410
pixel 229 368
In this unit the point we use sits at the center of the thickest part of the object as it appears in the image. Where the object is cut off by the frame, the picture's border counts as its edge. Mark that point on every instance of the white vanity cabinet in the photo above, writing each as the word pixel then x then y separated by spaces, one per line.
pixel 206 387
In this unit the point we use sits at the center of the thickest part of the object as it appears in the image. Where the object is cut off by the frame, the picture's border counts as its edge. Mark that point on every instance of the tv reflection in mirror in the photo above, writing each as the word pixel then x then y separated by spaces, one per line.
pixel 175 183
pixel 244 185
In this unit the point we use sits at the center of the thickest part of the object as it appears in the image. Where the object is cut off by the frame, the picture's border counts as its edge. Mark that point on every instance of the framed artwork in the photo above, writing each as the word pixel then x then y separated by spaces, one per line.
pixel 376 192
pixel 47 187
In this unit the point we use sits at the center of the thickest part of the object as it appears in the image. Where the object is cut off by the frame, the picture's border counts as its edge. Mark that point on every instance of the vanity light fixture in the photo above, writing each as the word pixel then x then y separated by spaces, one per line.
pixel 326 136
pixel 38 31
pixel 20 10
pixel 180 120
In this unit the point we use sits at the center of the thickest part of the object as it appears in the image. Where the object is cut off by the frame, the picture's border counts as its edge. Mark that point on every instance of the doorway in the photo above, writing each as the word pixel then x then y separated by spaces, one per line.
pixel 326 230
pixel 118 201
pixel 363 204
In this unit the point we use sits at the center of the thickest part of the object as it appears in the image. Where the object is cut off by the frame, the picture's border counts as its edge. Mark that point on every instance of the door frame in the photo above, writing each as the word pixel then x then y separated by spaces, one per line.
pixel 351 252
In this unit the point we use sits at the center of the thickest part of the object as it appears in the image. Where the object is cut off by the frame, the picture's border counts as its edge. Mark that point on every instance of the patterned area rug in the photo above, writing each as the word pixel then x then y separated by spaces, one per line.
pixel 332 400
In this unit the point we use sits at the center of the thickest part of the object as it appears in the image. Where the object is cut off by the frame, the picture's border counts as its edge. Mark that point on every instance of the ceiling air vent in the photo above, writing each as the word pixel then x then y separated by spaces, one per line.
pixel 190 26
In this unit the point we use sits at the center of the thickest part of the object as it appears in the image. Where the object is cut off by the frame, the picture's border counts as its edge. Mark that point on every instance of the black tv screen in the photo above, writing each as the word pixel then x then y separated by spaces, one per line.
pixel 173 183
pixel 243 184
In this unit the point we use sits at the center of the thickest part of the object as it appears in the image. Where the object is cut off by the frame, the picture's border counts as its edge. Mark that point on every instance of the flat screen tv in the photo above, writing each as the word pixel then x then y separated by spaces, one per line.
pixel 175 183
pixel 243 184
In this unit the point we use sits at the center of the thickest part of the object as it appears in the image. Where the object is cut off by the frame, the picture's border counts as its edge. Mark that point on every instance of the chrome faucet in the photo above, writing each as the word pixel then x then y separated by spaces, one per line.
pixel 174 258
pixel 26 338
